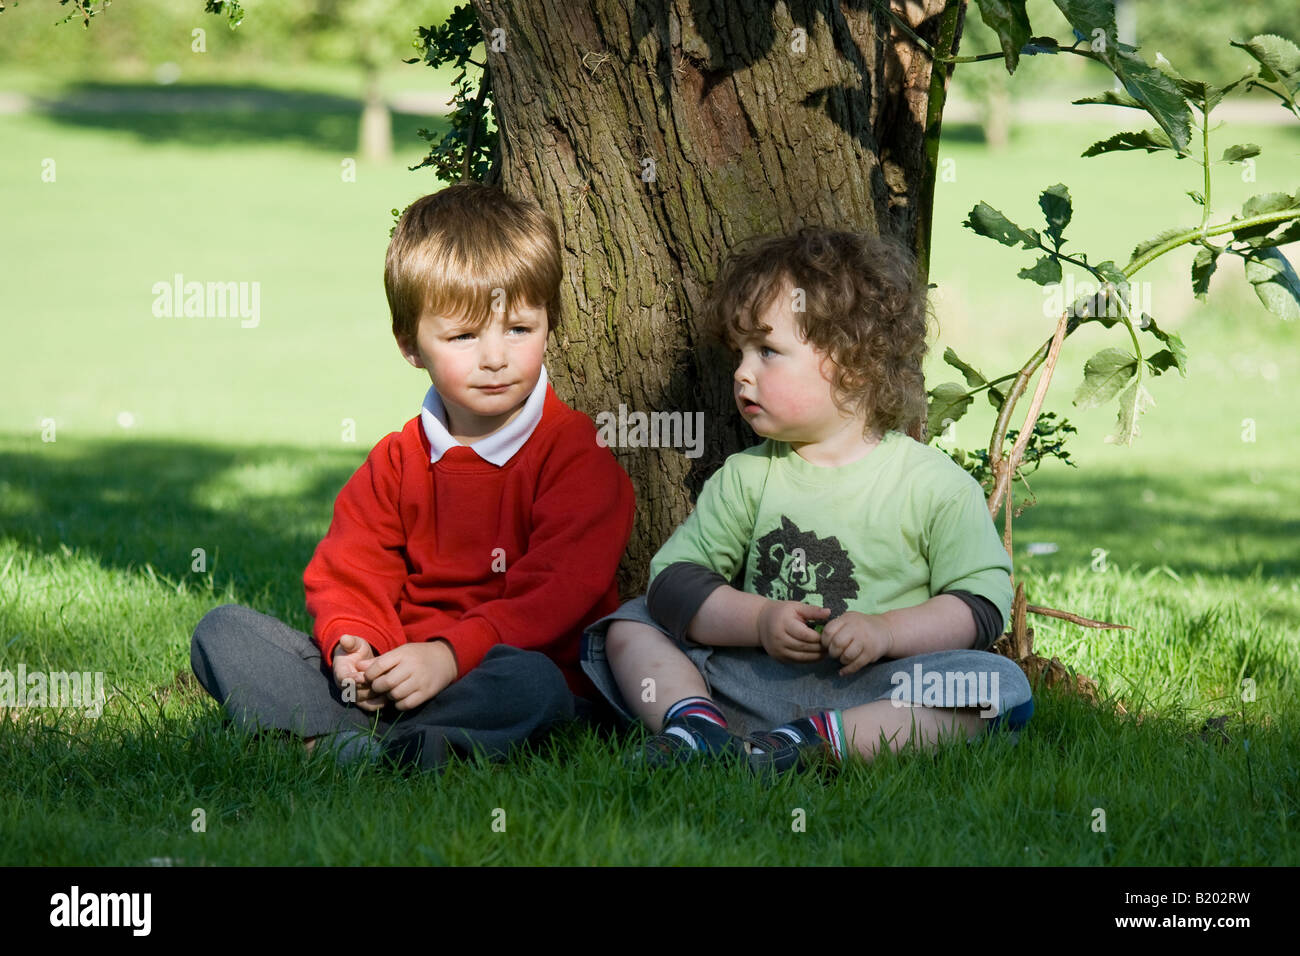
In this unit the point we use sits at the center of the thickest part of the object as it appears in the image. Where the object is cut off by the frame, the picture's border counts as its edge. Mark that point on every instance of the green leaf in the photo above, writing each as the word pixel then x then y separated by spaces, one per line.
pixel 1205 96
pixel 1278 57
pixel 1162 361
pixel 1114 273
pixel 1142 248
pixel 1177 351
pixel 1148 139
pixel 947 401
pixel 1089 15
pixel 1110 98
pixel 1102 307
pixel 1290 234
pixel 1037 45
pixel 1055 203
pixel 1235 154
pixel 1262 205
pixel 1197 196
pixel 1110 311
pixel 1103 376
pixel 1045 271
pixel 231 8
pixel 987 221
pixel 1008 19
pixel 1158 93
pixel 1275 282
pixel 973 377
pixel 1203 267
pixel 1154 90
pixel 1133 401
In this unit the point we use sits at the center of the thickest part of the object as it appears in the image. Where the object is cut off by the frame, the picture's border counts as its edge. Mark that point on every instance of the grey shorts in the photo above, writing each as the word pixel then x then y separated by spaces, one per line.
pixel 757 692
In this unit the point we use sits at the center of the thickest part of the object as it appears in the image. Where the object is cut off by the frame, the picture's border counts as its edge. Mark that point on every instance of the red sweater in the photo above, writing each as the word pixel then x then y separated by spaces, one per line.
pixel 522 554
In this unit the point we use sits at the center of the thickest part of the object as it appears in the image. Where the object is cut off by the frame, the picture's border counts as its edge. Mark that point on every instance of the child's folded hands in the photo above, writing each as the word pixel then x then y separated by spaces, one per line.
pixel 856 640
pixel 785 631
pixel 350 658
pixel 413 673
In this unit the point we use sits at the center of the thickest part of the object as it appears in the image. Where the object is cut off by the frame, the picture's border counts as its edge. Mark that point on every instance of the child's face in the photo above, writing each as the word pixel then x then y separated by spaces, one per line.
pixel 783 384
pixel 483 375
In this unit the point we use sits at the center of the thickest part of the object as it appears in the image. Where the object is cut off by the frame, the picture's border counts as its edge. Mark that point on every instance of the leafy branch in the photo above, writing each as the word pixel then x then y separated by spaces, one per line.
pixel 80 8
pixel 231 8
pixel 470 148
pixel 1265 222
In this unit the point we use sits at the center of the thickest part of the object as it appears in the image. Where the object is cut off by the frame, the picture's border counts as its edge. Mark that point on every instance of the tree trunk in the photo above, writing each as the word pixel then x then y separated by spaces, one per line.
pixel 997 114
pixel 376 122
pixel 658 137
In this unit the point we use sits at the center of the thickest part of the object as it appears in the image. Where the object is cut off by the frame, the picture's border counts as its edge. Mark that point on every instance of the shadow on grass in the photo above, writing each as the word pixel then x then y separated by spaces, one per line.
pixel 132 503
pixel 1209 522
pixel 954 132
pixel 259 511
pixel 214 115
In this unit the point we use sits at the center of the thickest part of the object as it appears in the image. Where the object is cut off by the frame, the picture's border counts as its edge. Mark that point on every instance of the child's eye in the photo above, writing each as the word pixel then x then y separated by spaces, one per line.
pixel 764 348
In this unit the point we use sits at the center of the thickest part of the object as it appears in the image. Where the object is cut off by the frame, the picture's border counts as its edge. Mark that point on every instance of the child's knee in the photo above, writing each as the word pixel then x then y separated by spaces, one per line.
pixel 217 622
pixel 211 636
pixel 625 636
pixel 530 680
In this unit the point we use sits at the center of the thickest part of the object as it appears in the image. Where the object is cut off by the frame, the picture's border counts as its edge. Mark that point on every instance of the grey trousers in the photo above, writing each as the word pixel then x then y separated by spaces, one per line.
pixel 268 675
pixel 756 692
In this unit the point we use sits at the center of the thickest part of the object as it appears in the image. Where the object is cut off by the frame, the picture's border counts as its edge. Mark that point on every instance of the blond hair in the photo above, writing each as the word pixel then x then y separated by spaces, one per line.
pixel 467 249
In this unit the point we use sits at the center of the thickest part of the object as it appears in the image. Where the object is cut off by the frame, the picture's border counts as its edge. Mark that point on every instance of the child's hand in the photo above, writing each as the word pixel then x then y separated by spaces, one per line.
pixel 350 659
pixel 856 640
pixel 413 673
pixel 785 633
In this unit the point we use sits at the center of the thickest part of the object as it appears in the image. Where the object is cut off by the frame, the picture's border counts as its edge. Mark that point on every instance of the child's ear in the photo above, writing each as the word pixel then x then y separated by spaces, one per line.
pixel 409 353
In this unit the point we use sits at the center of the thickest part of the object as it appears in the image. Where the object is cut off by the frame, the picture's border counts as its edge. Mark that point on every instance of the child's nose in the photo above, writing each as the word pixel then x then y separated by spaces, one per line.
pixel 492 352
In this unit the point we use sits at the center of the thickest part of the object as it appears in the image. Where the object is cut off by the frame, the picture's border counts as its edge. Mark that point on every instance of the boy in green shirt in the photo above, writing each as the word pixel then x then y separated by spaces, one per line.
pixel 836 586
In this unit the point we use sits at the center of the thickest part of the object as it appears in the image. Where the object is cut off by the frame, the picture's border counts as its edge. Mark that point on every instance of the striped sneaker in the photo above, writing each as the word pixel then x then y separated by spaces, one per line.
pixel 770 752
pixel 688 739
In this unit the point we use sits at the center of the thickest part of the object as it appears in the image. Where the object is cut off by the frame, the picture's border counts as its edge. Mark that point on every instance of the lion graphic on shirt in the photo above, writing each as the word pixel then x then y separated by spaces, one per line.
pixel 796 565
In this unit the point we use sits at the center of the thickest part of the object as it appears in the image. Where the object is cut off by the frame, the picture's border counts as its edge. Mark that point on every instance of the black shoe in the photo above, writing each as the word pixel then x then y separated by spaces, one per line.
pixel 776 753
pixel 671 745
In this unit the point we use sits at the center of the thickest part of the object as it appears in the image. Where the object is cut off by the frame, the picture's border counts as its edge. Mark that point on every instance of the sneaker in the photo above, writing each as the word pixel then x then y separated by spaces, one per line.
pixel 672 745
pixel 352 747
pixel 775 753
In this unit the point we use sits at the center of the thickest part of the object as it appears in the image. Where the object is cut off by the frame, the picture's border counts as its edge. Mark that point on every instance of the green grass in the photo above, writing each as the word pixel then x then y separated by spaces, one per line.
pixel 123 789
pixel 235 447
pixel 48 80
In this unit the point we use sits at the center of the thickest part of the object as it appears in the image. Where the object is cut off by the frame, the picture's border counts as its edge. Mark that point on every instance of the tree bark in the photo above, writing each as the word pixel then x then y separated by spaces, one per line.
pixel 660 134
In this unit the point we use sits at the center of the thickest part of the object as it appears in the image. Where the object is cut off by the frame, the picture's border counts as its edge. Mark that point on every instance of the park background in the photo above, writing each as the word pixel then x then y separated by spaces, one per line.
pixel 181 433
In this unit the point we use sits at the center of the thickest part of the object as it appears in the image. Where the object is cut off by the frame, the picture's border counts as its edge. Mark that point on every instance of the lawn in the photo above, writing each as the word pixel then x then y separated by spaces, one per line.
pixel 174 435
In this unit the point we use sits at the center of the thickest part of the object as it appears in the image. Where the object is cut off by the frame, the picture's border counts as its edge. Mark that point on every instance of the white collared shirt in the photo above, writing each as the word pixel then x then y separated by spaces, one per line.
pixel 500 446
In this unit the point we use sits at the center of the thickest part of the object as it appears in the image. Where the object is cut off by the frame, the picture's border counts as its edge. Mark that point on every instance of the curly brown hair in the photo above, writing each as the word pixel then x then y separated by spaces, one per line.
pixel 864 307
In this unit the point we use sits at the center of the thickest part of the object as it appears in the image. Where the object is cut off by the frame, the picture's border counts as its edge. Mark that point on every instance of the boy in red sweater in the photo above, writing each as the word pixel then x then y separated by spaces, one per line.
pixel 471 549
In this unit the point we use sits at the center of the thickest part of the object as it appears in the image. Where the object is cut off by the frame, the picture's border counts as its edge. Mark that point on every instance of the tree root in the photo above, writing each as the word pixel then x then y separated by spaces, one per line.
pixel 1018 645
